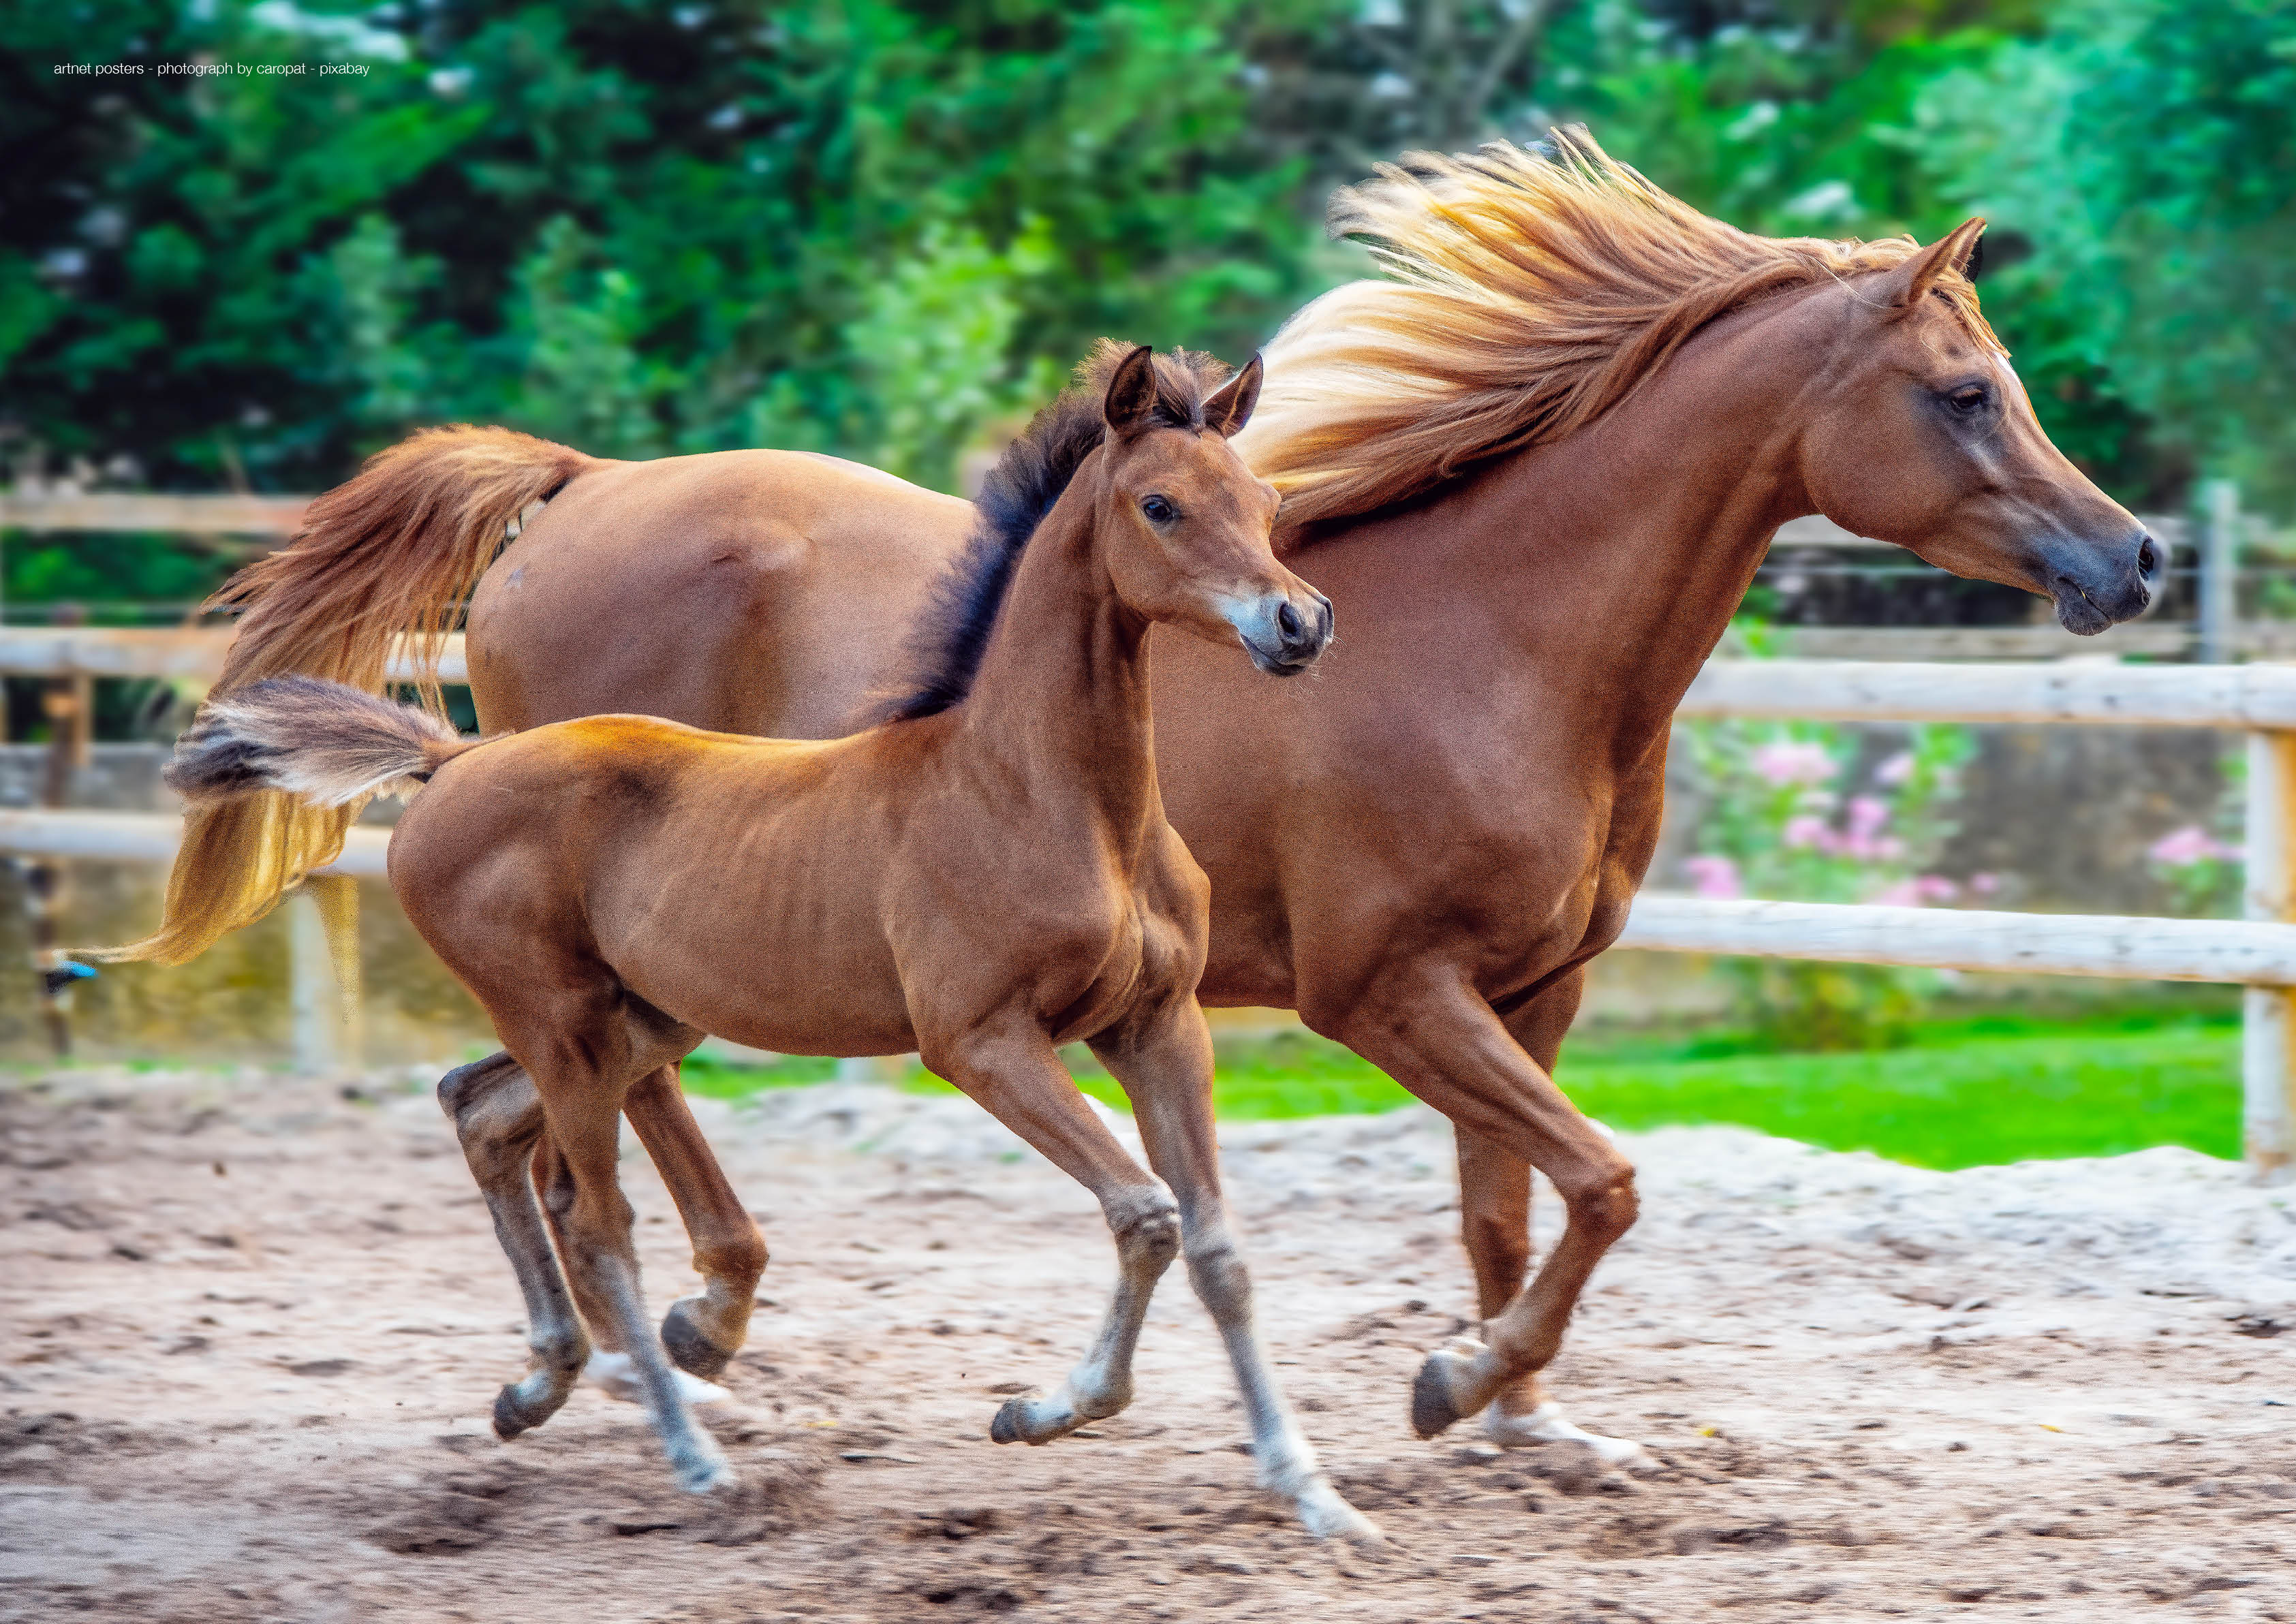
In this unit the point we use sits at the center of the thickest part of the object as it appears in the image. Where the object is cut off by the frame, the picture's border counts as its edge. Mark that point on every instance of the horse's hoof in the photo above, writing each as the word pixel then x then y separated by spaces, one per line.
pixel 688 1349
pixel 1546 1424
pixel 1432 1411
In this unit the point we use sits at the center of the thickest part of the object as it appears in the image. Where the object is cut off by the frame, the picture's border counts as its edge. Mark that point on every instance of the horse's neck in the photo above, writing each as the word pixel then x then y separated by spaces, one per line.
pixel 1062 696
pixel 1613 562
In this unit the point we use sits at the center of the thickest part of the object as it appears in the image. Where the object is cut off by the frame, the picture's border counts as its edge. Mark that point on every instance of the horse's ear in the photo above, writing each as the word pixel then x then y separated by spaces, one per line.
pixel 1131 403
pixel 1227 408
pixel 1905 288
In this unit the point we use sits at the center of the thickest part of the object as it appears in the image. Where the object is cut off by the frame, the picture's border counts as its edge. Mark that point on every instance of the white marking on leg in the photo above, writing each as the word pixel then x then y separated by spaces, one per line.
pixel 1146 1225
pixel 1287 1461
pixel 616 1376
pixel 1546 1424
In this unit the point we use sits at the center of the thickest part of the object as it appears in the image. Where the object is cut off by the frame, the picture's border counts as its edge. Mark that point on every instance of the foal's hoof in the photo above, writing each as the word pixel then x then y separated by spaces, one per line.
pixel 513 1414
pixel 1326 1514
pixel 687 1348
pixel 1436 1396
pixel 1007 1428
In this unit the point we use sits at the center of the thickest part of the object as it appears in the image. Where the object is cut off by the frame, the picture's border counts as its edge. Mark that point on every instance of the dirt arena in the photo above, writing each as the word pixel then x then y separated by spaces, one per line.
pixel 253 1327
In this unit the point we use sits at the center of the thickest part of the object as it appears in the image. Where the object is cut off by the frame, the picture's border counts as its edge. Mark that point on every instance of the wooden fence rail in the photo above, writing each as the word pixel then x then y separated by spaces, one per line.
pixel 2259 953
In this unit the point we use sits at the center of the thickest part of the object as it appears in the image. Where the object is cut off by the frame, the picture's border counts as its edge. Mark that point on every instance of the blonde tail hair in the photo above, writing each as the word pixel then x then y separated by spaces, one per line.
pixel 382 564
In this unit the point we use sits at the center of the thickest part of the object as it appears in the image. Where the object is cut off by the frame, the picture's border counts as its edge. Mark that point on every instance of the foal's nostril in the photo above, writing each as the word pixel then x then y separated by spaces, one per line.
pixel 2148 559
pixel 1288 622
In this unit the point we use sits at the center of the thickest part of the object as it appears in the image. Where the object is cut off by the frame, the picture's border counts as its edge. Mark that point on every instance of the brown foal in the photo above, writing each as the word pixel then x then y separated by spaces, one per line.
pixel 984 876
pixel 1536 465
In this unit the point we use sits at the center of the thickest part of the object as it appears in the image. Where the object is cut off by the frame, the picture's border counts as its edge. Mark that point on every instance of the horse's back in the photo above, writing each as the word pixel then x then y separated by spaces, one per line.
pixel 755 591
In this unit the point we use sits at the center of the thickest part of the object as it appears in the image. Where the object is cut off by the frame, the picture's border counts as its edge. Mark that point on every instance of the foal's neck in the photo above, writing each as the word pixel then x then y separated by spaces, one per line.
pixel 1061 699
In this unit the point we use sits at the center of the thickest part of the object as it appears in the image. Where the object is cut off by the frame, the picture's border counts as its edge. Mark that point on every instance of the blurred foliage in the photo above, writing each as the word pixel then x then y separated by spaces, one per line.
pixel 880 227
pixel 643 228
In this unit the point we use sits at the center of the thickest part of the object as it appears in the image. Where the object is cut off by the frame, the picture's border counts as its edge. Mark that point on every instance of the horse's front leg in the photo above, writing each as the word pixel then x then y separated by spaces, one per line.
pixel 1495 1203
pixel 1013 1071
pixel 1427 1028
pixel 1165 1064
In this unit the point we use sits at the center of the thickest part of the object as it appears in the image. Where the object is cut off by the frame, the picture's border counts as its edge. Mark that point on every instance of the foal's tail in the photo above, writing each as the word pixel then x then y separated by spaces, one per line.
pixel 382 564
pixel 320 742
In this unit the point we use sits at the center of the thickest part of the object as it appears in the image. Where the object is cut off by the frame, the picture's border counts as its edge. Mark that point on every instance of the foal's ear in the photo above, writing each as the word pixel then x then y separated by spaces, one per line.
pixel 1903 289
pixel 1227 408
pixel 1131 403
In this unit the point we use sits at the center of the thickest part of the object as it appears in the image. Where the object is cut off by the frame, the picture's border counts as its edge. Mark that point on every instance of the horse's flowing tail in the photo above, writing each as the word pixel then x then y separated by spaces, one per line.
pixel 382 565
pixel 316 741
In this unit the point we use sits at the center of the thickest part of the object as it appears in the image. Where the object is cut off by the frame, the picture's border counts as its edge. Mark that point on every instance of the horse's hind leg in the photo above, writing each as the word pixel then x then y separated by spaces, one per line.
pixel 1018 1076
pixel 1166 1067
pixel 701 1333
pixel 498 1117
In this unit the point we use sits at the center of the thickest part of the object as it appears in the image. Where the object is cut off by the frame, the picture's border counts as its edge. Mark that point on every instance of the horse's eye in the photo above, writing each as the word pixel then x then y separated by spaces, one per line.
pixel 1158 509
pixel 1968 398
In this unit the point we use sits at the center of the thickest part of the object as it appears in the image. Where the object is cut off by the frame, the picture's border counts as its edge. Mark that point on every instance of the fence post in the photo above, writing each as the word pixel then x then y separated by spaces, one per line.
pixel 2267 1086
pixel 2219 562
pixel 322 974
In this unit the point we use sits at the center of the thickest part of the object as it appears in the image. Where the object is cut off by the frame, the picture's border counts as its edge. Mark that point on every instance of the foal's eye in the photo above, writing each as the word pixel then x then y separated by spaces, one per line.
pixel 1970 398
pixel 1158 509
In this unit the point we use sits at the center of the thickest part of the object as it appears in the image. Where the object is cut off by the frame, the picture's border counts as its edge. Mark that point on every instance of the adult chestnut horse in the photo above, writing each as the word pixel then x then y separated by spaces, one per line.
pixel 1538 464
pixel 983 875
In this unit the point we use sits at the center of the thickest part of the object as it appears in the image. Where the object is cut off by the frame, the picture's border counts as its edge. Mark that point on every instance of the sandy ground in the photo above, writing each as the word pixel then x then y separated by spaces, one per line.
pixel 252 1329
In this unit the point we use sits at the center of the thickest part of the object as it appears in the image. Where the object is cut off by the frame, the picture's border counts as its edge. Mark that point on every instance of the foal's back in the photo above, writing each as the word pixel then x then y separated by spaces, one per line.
pixel 737 883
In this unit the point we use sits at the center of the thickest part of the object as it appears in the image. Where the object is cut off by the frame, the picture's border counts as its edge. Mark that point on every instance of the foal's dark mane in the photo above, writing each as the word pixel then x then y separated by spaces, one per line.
pixel 945 645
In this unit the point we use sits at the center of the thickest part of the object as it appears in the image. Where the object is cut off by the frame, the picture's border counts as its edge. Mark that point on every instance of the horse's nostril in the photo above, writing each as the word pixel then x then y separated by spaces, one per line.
pixel 1287 621
pixel 2147 559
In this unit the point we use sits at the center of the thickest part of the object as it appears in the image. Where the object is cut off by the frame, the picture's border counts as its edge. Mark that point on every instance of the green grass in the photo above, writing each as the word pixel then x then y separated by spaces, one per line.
pixel 1970 1088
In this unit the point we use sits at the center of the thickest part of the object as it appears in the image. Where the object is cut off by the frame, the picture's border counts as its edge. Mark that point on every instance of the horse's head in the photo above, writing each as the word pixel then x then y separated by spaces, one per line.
pixel 1186 526
pixel 1922 436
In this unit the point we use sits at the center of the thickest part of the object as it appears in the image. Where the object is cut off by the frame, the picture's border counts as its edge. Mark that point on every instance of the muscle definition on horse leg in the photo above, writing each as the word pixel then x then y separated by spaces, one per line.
pixel 1537 469
pixel 981 876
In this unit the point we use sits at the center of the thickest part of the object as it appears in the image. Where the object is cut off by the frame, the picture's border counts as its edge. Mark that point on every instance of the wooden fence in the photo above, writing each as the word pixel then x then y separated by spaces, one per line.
pixel 2259 953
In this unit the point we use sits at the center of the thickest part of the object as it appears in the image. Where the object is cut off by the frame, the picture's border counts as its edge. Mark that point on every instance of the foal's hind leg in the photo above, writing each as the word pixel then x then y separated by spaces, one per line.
pixel 1166 1067
pixel 583 1052
pixel 1016 1074
pixel 498 1117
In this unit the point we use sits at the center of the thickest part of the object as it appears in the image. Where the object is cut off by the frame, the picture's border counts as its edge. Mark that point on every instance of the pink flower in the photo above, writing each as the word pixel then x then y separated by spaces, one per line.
pixel 1935 888
pixel 1807 831
pixel 1904 894
pixel 1715 877
pixel 1897 769
pixel 1889 848
pixel 2181 847
pixel 1866 816
pixel 1984 885
pixel 1785 761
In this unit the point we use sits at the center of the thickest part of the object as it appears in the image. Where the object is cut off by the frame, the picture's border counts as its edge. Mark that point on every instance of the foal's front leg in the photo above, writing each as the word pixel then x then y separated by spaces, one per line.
pixel 1015 1073
pixel 1166 1068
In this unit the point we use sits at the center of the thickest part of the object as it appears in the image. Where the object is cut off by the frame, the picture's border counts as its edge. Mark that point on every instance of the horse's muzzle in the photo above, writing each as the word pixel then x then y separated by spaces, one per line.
pixel 2095 587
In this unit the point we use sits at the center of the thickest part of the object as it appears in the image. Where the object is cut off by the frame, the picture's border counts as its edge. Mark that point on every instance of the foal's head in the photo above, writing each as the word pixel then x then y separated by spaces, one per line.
pixel 1921 434
pixel 1184 525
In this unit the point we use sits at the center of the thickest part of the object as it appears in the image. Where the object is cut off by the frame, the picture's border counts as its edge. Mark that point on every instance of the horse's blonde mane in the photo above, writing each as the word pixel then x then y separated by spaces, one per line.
pixel 1528 293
